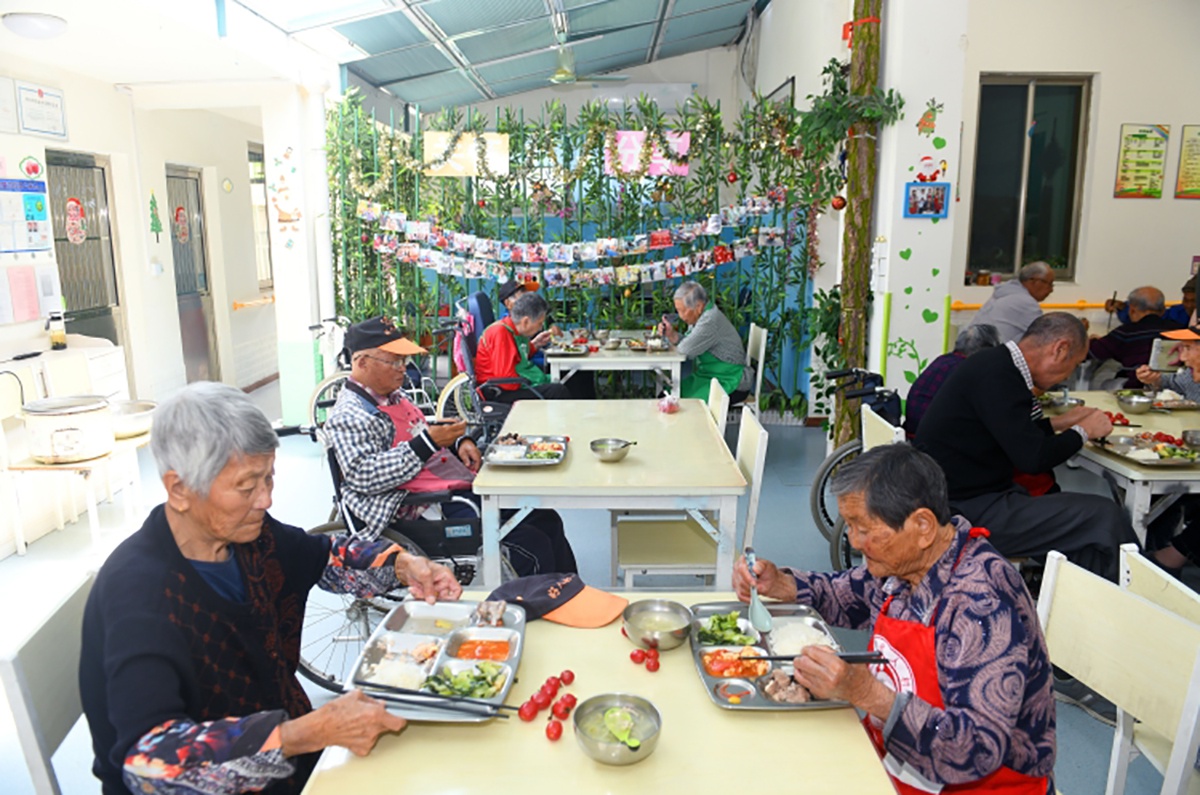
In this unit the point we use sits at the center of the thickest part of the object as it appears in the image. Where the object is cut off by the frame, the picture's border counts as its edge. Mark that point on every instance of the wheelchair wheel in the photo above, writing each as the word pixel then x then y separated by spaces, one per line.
pixel 821 501
pixel 323 398
pixel 841 554
pixel 336 626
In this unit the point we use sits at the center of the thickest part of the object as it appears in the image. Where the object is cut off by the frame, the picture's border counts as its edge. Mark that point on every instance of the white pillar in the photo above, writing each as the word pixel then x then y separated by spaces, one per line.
pixel 924 44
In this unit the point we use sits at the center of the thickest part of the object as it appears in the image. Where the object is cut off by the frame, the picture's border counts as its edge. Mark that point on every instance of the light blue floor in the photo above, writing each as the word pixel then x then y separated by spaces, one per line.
pixel 302 496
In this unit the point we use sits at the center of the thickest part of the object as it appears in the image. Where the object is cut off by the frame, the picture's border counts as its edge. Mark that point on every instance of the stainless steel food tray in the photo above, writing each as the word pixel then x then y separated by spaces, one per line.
pixel 750 691
pixel 392 634
pixel 1177 405
pixel 578 350
pixel 1121 446
pixel 490 458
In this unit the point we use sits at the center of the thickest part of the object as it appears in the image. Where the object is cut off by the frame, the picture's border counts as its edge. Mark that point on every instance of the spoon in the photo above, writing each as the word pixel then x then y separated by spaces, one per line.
pixel 760 618
pixel 618 721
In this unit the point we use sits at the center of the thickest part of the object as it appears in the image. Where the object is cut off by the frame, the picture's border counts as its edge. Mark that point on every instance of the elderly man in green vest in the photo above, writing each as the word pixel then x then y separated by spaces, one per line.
pixel 712 344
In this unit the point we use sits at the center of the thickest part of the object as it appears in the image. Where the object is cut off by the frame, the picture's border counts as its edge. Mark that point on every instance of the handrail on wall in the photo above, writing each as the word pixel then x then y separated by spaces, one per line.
pixel 264 301
pixel 959 306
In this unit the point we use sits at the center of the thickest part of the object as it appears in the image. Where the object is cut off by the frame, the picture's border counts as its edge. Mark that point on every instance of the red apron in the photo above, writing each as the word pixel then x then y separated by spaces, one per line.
pixel 912 654
pixel 443 471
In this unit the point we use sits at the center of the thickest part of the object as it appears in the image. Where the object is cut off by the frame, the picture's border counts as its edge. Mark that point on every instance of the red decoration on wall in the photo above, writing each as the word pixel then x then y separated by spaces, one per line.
pixel 848 29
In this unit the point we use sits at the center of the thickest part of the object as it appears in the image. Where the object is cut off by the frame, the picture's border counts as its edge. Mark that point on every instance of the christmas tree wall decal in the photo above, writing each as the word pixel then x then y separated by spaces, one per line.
pixel 155 222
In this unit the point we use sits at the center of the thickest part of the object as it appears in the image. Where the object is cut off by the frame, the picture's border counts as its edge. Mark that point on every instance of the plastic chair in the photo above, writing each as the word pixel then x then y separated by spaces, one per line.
pixel 41 681
pixel 1140 576
pixel 67 374
pixel 718 405
pixel 756 352
pixel 1141 657
pixel 650 544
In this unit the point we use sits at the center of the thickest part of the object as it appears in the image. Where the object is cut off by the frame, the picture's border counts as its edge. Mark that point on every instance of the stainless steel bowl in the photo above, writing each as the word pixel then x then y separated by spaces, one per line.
pixel 131 417
pixel 1135 404
pixel 598 743
pixel 656 623
pixel 1191 438
pixel 610 450
pixel 612 344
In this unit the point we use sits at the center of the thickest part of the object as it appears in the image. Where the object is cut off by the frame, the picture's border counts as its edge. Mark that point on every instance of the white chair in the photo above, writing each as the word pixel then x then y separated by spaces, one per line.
pixel 41 681
pixel 651 544
pixel 17 386
pixel 756 352
pixel 1140 576
pixel 718 405
pixel 66 374
pixel 1141 657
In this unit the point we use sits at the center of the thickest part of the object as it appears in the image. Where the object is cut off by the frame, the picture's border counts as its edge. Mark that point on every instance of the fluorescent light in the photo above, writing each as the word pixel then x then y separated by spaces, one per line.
pixel 34 25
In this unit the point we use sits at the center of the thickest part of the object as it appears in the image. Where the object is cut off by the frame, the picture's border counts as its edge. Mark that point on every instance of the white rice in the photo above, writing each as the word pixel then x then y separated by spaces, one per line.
pixel 396 673
pixel 790 638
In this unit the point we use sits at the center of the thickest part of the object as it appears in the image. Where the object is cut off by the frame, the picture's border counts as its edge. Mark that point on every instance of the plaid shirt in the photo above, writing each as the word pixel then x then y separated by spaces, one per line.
pixel 1022 365
pixel 373 471
pixel 920 395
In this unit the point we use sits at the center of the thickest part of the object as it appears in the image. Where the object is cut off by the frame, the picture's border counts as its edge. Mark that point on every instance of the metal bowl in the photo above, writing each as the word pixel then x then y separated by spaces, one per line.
pixel 598 743
pixel 1135 404
pixel 612 344
pixel 131 417
pixel 1191 438
pixel 610 450
pixel 656 623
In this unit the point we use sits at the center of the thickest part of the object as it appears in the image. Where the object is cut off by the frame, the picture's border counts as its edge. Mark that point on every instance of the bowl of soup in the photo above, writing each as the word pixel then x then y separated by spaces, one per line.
pixel 656 623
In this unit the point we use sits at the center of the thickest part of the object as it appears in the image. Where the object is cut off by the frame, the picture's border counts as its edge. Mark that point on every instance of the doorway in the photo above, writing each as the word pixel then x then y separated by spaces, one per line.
pixel 192 293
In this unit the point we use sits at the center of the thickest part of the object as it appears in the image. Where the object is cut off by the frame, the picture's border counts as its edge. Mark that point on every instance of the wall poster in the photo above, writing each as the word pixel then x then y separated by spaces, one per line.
pixel 1141 160
pixel 1187 186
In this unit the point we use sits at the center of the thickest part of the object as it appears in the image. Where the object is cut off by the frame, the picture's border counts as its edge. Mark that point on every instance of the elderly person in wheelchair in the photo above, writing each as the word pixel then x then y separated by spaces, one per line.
pixel 394 462
pixel 192 631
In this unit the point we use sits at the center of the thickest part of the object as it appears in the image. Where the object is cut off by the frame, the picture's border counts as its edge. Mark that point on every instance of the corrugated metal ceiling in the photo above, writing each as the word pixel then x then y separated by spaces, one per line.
pixel 438 53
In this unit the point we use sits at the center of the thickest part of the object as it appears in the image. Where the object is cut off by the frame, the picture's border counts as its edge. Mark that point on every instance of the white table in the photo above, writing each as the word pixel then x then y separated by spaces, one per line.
pixel 680 463
pixel 620 359
pixel 1148 490
pixel 821 752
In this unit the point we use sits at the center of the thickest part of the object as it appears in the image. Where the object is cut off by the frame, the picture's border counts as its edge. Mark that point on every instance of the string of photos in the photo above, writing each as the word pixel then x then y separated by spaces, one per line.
pixel 606 210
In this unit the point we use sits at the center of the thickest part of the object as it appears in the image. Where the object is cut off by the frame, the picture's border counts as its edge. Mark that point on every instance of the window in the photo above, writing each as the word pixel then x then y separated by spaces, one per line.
pixel 262 226
pixel 1028 164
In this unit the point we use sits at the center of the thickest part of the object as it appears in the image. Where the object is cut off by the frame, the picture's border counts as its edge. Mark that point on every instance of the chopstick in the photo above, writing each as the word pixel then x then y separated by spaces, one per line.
pixel 425 694
pixel 449 706
pixel 852 657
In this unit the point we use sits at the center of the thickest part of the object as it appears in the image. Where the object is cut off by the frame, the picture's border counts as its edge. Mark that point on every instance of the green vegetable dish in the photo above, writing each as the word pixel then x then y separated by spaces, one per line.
pixel 723 630
pixel 483 680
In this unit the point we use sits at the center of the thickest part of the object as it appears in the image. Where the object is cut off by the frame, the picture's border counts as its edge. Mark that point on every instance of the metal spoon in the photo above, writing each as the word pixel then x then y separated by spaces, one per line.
pixel 760 618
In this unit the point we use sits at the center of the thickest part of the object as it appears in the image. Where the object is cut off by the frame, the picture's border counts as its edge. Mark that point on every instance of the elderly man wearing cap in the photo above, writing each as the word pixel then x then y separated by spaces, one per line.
pixel 387 448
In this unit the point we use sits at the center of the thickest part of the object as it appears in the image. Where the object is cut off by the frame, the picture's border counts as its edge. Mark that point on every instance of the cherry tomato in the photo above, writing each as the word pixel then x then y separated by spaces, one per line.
pixel 651 665
pixel 638 656
pixel 528 711
pixel 541 699
pixel 554 682
pixel 560 710
pixel 570 700
pixel 554 730
pixel 567 677
pixel 651 654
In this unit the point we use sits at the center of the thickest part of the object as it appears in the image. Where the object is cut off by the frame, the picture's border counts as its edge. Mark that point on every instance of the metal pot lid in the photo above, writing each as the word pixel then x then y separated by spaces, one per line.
pixel 66 405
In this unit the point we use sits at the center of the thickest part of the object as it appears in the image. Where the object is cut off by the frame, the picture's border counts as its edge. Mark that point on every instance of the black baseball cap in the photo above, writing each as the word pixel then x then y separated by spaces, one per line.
pixel 563 599
pixel 380 332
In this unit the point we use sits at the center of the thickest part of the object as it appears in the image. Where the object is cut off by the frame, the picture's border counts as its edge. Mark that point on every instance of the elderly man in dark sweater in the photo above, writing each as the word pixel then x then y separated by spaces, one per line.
pixel 979 428
pixel 1132 342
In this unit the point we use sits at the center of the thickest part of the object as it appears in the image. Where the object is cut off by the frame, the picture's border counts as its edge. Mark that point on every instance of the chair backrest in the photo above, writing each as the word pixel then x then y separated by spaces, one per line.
pixel 67 374
pixel 1143 658
pixel 480 306
pixel 1148 581
pixel 752 460
pixel 41 680
pixel 718 405
pixel 756 351
pixel 878 431
pixel 18 385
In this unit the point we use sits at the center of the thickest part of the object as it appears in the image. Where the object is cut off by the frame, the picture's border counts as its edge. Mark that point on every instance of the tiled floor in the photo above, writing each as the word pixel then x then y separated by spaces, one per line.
pixel 302 496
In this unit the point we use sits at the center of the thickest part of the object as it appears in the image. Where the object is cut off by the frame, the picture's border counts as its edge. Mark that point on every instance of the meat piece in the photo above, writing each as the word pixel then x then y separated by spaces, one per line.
pixel 781 687
pixel 490 614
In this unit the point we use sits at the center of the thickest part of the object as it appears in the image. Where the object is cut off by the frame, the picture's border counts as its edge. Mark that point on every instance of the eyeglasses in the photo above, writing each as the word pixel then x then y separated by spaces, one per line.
pixel 395 364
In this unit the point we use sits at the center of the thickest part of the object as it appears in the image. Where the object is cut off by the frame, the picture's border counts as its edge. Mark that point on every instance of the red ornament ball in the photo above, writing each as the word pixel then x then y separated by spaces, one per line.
pixel 731 177
pixel 838 202
pixel 482 203
pixel 366 238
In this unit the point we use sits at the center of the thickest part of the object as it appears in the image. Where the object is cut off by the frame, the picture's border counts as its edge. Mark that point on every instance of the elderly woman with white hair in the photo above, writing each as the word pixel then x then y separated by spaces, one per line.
pixel 712 344
pixel 192 630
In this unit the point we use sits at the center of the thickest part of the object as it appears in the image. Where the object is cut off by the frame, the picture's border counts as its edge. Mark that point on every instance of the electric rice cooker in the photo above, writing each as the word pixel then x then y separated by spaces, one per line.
pixel 63 430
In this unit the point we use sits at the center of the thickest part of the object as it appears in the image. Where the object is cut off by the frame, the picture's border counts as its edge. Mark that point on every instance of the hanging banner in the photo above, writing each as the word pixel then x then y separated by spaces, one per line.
pixel 1141 161
pixel 462 161
pixel 1187 186
pixel 629 153
pixel 76 222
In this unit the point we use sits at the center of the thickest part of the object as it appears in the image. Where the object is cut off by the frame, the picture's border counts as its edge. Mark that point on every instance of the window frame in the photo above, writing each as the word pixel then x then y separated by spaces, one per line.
pixel 1032 81
pixel 252 148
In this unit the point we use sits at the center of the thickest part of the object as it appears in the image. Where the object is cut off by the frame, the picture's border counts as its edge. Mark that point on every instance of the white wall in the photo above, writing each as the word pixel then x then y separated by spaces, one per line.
pixel 1124 243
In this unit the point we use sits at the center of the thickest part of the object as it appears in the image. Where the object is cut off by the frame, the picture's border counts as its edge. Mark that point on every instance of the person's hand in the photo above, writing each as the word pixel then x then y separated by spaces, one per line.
pixel 353 721
pixel 541 340
pixel 1148 376
pixel 826 675
pixel 772 582
pixel 1086 323
pixel 427 580
pixel 1071 417
pixel 445 434
pixel 1096 425
pixel 1113 305
pixel 468 453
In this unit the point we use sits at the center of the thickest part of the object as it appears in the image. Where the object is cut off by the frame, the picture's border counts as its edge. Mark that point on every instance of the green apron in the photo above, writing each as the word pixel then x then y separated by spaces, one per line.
pixel 525 368
pixel 706 367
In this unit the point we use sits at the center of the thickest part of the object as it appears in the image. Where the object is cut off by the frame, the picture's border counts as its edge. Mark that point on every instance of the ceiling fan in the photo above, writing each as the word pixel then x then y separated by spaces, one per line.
pixel 565 75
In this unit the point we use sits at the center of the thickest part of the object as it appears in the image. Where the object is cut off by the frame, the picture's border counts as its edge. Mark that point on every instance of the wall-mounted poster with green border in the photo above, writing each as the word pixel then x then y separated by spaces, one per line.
pixel 1141 160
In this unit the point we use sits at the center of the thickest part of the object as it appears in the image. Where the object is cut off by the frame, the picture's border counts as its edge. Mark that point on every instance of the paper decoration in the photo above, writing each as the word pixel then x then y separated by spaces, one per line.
pixel 181 224
pixel 23 292
pixel 462 162
pixel 368 211
pixel 24 217
pixel 155 222
pixel 48 289
pixel 1141 161
pixel 629 153
pixel 76 221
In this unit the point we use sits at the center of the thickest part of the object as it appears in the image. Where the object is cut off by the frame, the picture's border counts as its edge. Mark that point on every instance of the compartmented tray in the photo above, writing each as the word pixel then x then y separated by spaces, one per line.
pixel 749 692
pixel 395 654
pixel 1126 447
pixel 1177 405
pixel 568 350
pixel 503 455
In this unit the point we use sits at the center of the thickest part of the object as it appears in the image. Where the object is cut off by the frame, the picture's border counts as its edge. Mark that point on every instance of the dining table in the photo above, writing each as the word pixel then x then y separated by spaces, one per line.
pixel 701 748
pixel 664 363
pixel 680 463
pixel 1148 489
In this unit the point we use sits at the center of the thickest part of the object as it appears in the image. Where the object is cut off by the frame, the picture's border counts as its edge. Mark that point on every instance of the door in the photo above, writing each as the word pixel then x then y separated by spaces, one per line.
pixel 83 244
pixel 186 226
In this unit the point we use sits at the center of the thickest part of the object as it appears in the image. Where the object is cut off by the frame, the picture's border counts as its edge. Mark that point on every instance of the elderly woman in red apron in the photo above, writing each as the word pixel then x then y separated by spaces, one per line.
pixel 964 702
pixel 712 344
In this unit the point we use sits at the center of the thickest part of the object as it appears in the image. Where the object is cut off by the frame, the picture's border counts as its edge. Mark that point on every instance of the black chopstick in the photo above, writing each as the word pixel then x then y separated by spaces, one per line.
pixel 450 706
pixel 404 691
pixel 847 657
